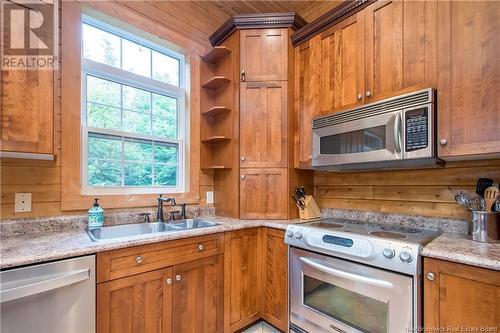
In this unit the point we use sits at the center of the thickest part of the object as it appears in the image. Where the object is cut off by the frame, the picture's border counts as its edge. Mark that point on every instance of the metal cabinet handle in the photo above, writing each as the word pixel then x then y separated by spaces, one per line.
pixel 168 281
pixel 201 247
pixel 178 277
pixel 443 142
pixel 242 176
pixel 138 259
pixel 242 158
pixel 368 93
pixel 243 75
pixel 359 97
pixel 430 276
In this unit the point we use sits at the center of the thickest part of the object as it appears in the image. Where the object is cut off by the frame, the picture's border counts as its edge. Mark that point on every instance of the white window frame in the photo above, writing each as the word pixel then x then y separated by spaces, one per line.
pixel 123 77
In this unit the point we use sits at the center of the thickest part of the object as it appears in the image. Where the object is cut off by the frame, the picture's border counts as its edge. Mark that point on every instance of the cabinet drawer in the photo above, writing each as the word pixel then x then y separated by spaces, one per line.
pixel 125 262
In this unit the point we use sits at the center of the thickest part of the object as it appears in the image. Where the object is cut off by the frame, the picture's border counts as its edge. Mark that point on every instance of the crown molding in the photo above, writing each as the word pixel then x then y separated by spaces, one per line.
pixel 256 21
pixel 332 17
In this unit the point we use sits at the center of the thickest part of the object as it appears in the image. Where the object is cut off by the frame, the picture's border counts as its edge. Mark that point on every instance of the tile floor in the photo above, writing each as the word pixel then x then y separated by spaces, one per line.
pixel 261 327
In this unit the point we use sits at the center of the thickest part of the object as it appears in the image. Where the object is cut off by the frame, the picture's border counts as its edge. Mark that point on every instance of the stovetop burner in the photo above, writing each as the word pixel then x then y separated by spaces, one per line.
pixel 401 229
pixel 388 234
pixel 326 225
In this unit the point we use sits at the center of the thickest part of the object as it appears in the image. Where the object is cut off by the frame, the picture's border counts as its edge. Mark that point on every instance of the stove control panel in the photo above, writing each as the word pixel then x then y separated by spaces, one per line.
pixel 349 245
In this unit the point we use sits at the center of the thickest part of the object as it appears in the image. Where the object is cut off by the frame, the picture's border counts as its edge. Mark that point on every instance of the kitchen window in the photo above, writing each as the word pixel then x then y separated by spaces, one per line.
pixel 133 113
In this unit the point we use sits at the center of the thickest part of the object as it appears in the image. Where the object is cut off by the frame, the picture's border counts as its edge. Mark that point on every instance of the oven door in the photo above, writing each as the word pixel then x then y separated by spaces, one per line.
pixel 371 139
pixel 336 295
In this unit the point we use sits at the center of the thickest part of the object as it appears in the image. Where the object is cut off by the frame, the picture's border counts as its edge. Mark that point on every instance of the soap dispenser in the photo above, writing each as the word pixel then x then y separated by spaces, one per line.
pixel 96 215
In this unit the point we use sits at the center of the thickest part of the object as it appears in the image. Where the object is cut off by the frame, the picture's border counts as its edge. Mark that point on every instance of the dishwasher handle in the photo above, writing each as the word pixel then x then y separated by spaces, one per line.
pixel 53 281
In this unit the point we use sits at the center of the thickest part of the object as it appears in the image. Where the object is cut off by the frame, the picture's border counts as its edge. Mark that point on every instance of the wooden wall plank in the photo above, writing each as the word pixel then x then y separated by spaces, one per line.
pixel 427 192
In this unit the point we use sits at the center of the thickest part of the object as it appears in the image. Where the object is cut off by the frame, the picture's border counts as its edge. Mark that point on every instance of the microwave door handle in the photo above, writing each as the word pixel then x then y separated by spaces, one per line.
pixel 346 275
pixel 397 133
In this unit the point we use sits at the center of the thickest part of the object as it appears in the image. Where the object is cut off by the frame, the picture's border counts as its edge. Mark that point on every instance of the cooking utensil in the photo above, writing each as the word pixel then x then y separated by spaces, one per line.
pixel 468 200
pixel 482 185
pixel 490 196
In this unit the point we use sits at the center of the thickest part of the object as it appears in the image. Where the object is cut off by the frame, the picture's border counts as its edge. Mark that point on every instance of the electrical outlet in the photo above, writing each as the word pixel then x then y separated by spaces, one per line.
pixel 210 197
pixel 22 203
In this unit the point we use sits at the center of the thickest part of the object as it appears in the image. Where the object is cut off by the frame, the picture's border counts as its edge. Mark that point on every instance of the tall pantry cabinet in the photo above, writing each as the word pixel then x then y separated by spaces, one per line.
pixel 260 176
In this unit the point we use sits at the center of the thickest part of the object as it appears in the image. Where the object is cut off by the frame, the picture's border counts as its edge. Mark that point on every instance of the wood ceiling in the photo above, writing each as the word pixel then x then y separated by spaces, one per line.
pixel 199 19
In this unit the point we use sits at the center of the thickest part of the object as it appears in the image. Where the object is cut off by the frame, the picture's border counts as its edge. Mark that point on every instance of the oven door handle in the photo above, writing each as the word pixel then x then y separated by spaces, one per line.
pixel 397 133
pixel 346 275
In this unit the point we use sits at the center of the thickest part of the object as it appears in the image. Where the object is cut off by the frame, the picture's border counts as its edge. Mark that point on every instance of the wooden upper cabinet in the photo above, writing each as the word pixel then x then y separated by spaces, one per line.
pixel 198 294
pixel 469 71
pixel 275 272
pixel 27 111
pixel 305 99
pixel 263 124
pixel 401 50
pixel 460 296
pixel 342 76
pixel 263 54
pixel 139 303
pixel 263 193
pixel 242 270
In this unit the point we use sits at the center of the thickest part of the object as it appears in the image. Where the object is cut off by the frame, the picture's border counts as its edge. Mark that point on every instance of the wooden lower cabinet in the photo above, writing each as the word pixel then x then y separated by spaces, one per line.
pixel 263 193
pixel 242 275
pixel 139 303
pixel 198 296
pixel 245 281
pixel 275 278
pixel 457 295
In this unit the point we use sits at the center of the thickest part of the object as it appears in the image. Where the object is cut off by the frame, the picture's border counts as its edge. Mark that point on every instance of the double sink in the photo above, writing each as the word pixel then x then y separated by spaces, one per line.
pixel 137 229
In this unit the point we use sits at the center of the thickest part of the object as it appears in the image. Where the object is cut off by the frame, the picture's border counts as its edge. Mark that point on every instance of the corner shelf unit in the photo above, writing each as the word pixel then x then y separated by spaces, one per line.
pixel 217 109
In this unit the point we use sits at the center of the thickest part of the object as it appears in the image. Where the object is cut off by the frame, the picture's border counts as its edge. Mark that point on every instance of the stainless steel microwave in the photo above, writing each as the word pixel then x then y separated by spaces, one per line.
pixel 394 133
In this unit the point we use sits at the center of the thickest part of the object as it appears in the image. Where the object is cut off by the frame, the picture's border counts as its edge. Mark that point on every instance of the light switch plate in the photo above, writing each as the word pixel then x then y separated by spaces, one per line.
pixel 210 197
pixel 22 203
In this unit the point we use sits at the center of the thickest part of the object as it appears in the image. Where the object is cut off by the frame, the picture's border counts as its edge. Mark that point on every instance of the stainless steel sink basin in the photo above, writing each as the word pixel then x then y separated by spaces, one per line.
pixel 193 224
pixel 131 230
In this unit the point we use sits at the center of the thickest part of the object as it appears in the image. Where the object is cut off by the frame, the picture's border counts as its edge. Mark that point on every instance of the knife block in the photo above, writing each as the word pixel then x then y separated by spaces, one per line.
pixel 310 209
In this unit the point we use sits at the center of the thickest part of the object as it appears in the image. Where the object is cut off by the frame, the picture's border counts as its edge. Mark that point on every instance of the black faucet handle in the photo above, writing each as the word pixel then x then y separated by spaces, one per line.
pixel 172 214
pixel 147 216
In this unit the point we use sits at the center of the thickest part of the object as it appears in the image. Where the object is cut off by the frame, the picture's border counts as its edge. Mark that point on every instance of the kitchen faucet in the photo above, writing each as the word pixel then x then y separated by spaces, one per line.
pixel 159 212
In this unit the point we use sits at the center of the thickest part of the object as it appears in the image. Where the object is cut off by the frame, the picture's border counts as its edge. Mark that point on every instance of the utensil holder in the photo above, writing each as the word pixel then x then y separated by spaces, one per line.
pixel 310 209
pixel 485 227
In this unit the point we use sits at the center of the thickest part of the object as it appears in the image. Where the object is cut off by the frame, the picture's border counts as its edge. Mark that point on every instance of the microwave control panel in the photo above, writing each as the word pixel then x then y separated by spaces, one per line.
pixel 417 129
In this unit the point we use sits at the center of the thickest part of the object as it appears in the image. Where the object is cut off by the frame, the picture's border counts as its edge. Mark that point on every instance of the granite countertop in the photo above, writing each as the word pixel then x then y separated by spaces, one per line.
pixel 24 249
pixel 48 239
pixel 458 248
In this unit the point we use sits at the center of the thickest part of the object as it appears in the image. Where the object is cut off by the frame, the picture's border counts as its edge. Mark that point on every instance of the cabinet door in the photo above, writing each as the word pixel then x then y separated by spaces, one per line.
pixel 264 54
pixel 263 124
pixel 468 98
pixel 139 303
pixel 198 296
pixel 263 193
pixel 305 98
pixel 242 257
pixel 27 111
pixel 460 296
pixel 401 50
pixel 342 59
pixel 275 272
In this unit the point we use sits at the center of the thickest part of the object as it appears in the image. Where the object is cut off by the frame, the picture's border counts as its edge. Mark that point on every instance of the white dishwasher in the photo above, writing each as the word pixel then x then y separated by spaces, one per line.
pixel 53 297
